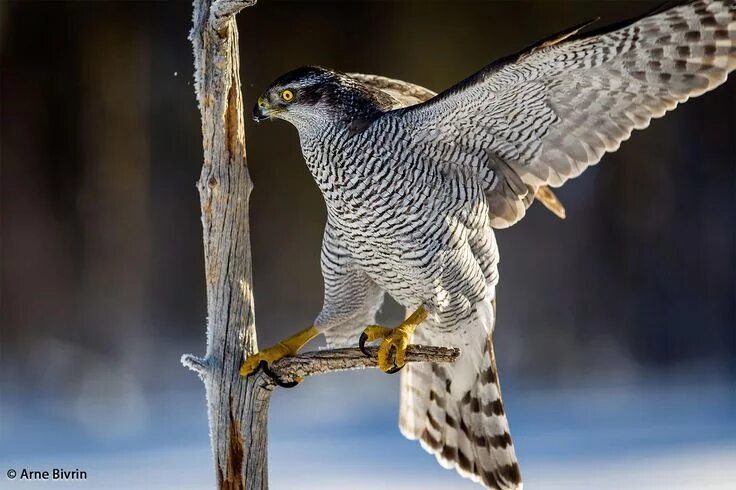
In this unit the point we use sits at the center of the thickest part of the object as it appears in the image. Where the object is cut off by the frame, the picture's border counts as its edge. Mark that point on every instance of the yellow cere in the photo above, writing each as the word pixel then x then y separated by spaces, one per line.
pixel 287 95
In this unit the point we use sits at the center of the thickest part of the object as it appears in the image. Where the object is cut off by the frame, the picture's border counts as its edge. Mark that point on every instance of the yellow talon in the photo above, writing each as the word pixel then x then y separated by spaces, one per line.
pixel 375 332
pixel 287 347
pixel 398 338
pixel 270 355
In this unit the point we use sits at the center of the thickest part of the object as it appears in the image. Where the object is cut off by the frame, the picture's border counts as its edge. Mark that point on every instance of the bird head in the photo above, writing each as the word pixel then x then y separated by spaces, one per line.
pixel 312 95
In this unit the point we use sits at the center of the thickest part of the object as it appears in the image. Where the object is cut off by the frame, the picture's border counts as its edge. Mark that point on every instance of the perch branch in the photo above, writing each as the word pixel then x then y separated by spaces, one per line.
pixel 328 361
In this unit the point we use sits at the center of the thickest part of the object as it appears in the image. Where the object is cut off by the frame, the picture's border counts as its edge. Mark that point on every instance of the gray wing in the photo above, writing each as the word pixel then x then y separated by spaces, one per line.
pixel 544 115
pixel 405 94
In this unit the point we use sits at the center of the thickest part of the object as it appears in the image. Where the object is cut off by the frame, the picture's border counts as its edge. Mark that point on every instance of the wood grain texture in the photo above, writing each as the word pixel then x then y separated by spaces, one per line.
pixel 237 408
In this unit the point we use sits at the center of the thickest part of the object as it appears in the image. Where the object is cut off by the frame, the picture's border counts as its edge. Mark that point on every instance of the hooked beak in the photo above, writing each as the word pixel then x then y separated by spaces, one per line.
pixel 262 110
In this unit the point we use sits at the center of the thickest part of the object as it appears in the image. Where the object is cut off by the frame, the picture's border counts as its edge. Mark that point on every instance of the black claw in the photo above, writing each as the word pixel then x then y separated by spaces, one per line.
pixel 284 384
pixel 394 369
pixel 361 344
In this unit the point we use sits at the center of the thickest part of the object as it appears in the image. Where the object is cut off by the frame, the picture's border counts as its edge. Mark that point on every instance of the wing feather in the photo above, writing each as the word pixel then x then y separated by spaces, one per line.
pixel 404 93
pixel 555 109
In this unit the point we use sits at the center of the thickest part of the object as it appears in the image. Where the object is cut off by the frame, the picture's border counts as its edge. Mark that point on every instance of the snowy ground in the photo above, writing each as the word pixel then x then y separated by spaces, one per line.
pixel 339 432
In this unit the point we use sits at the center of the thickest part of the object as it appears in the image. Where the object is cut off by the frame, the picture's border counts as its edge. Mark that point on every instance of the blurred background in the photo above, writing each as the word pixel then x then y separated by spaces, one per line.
pixel 616 335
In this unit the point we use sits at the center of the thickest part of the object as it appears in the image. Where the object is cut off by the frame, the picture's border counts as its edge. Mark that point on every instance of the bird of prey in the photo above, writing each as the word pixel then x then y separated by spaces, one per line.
pixel 415 183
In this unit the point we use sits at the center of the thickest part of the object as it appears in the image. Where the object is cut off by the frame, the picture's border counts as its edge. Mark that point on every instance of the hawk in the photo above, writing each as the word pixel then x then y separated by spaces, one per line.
pixel 415 183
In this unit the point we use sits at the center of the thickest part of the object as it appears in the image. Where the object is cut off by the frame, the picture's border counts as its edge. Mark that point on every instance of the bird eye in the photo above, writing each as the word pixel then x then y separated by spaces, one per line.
pixel 287 95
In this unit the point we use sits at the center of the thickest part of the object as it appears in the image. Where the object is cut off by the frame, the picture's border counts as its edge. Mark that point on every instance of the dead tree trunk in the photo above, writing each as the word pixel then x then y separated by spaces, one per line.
pixel 238 407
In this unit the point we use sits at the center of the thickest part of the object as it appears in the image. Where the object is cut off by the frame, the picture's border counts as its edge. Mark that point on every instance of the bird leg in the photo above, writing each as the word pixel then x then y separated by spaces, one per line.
pixel 287 347
pixel 398 338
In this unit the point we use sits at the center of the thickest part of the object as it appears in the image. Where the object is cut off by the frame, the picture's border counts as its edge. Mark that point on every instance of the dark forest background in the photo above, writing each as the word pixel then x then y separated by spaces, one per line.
pixel 102 275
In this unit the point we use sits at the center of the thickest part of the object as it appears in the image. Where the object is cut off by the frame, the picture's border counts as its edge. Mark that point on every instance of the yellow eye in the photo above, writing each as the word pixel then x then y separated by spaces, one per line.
pixel 287 95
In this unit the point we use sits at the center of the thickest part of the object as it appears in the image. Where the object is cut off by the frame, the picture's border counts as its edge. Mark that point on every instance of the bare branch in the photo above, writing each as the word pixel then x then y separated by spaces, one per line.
pixel 327 361
pixel 196 364
pixel 223 10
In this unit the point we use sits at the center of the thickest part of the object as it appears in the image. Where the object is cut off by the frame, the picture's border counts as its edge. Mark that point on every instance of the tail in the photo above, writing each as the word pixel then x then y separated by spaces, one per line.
pixel 457 413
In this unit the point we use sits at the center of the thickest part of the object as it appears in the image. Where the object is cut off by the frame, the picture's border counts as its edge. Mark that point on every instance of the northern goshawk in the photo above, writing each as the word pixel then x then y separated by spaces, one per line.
pixel 415 183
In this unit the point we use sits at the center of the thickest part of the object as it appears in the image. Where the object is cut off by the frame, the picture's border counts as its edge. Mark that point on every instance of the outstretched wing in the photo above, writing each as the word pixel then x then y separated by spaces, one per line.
pixel 405 94
pixel 544 115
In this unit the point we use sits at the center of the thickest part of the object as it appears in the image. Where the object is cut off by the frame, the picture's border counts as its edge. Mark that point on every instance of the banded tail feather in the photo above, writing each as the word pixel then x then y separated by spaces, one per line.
pixel 456 412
